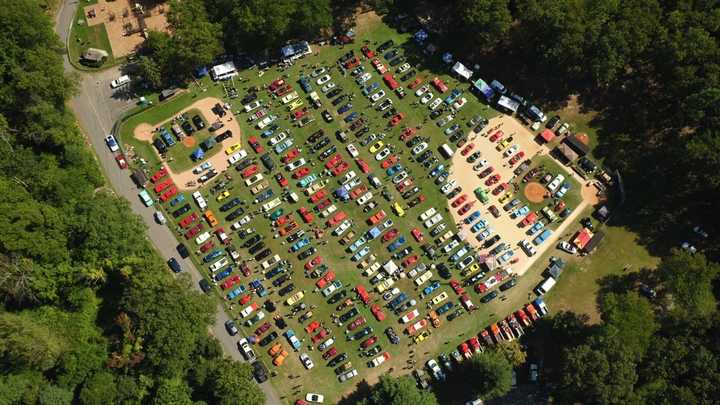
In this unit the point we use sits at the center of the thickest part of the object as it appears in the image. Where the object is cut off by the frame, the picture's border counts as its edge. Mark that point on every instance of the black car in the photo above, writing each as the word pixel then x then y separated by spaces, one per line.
pixel 287 289
pixel 174 265
pixel 494 211
pixel 267 161
pixel 390 54
pixel 187 128
pixel 281 280
pixel 489 297
pixel 394 338
pixel 337 360
pixel 455 314
pixel 258 247
pixel 307 253
pixel 185 208
pixel 474 279
pixel 252 241
pixel 205 286
pixel 230 204
pixel 249 98
pixel 225 135
pixel 361 333
pixel 436 114
pixel 327 152
pixel 348 315
pixel 244 164
pixel 552 122
pixel 235 214
pixel 397 61
pixel 509 284
pixel 265 253
pixel 409 193
pixel 339 100
pixel 230 327
pixel 334 92
pixel 315 136
pixel 259 371
pixel 321 144
pixel 385 45
pixel 182 250
pixel 269 306
pixel 199 123
pixel 295 236
pixel 269 338
pixel 444 272
pixel 337 297
pixel 407 76
pixel 403 253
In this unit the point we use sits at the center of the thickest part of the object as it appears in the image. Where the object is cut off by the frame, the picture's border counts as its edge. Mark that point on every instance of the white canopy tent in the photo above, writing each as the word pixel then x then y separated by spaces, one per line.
pixel 462 71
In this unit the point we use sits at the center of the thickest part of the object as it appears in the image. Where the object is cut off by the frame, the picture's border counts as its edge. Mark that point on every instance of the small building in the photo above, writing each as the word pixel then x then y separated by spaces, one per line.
pixel 508 105
pixel 197 154
pixel 574 143
pixel 566 153
pixel 582 238
pixel 94 57
pixel 602 214
pixel 167 93
pixel 446 151
pixel 462 71
pixel 208 144
pixel 295 50
pixel 223 71
pixel 593 242
pixel 556 268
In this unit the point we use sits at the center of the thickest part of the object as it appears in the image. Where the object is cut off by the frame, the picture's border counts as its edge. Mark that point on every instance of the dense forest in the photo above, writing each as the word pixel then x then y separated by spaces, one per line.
pixel 90 314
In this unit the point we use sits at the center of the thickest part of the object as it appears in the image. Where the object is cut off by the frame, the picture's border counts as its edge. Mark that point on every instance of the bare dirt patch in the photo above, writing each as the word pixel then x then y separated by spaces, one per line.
pixel 364 22
pixel 125 23
pixel 188 141
pixel 144 132
pixel 534 192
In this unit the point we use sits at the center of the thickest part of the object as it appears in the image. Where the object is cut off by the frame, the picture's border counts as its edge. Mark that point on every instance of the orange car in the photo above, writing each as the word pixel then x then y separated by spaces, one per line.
pixel 280 358
pixel 210 218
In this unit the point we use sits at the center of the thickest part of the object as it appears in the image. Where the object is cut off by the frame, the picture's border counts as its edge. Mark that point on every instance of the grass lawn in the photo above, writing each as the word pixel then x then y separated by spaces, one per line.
pixel 573 197
pixel 83 36
pixel 322 379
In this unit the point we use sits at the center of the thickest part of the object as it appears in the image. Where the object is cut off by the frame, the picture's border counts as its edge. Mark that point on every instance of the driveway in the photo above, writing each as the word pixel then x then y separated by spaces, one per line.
pixel 97 108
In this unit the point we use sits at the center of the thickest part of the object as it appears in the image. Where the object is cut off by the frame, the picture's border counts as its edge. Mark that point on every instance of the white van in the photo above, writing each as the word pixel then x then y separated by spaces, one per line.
pixel 219 264
pixel 202 204
pixel 120 81
pixel 254 179
pixel 271 204
pixel 270 262
pixel 545 286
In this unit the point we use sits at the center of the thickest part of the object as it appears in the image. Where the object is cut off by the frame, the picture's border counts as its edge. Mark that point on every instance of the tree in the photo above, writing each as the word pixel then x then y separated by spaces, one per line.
pixel 173 391
pixel 25 343
pixel 689 279
pixel 231 383
pixel 398 391
pixel 312 16
pixel 54 395
pixel 491 373
pixel 149 69
pixel 99 389
pixel 488 21
pixel 512 351
pixel 629 321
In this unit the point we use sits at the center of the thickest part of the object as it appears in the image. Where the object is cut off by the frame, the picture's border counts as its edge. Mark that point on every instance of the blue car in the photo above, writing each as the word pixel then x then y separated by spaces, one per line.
pixel 266 133
pixel 397 301
pixel 274 272
pixel 236 292
pixel 213 255
pixel 351 117
pixel 430 288
pixel 299 244
pixel 536 228
pixel 370 88
pixel 437 170
pixel 394 169
pixel 520 212
pixel 542 237
pixel 398 242
pixel 167 137
pixel 472 217
pixel 479 225
pixel 453 96
pixel 177 200
pixel 264 195
pixel 444 308
pixel 345 108
pixel 305 84
pixel 373 233
pixel 221 275
pixel 289 335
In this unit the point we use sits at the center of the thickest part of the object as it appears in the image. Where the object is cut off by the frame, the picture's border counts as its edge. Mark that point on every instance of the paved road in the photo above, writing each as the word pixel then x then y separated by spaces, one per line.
pixel 97 108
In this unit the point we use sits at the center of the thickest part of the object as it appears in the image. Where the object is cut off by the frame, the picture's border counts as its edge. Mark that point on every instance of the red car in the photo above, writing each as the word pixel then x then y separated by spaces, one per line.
pixel 185 222
pixel 410 261
pixel 319 195
pixel 262 329
pixel 297 114
pixel 475 344
pixel 496 136
pixel 396 119
pixel 162 186
pixel 312 327
pixel 369 53
pixel 325 280
pixel 334 161
pixel 340 169
pixel 255 144
pixel 230 282
pixel 245 299
pixel 492 179
pixel 159 174
pixel 457 287
pixel 517 157
pixel 276 85
pixel 379 216
pixel 323 204
pixel 362 165
pixel 282 181
pixel 390 235
pixel 458 201
pixel 465 208
pixel 331 352
pixel 368 342
pixel 465 350
pixel 319 336
pixel 194 230
pixel 169 193
pixel 415 83
pixel 389 161
pixel 122 163
pixel 390 81
pixel 284 91
pixel 358 191
pixel 377 312
pixel 467 149
pixel 439 85
pixel 352 63
pixel 291 155
pixel 337 218
pixel 356 323
pixel 418 235
pixel 407 134
pixel 306 215
pixel 499 189
pixel 315 261
pixel 301 172
pixel 486 172
pixel 249 171
pixel 207 246
pixel 288 228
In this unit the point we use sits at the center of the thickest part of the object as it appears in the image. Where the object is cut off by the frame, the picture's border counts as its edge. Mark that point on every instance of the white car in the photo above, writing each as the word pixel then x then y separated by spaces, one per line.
pixel 479 165
pixel 419 148
pixel 434 368
pixel 385 105
pixel 246 350
pixel 328 87
pixel 278 138
pixel 422 90
pixel 237 156
pixel 567 247
pixel 447 187
pixel 306 361
pixel 377 96
pixel 266 121
pixel 344 226
pixel 323 79
pixel 160 218
pixel 349 176
pixel 432 221
pixel 445 120
pixel 403 68
pixel 296 164
pixel 459 104
pixel 112 143
pixel 202 238
pixel 382 154
pixel 365 198
pixel 435 104
pixel 427 214
pixel 317 72
pixel 348 375
pixel 400 177
pixel 427 97
pixel 511 150
pixel 352 150
pixel 363 78
pixel 312 397
pixel 527 247
pixel 255 104
pixel 120 81
pixel 556 182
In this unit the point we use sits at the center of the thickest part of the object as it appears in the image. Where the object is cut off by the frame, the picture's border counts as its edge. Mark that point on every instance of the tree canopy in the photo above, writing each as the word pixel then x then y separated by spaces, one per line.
pixel 398 391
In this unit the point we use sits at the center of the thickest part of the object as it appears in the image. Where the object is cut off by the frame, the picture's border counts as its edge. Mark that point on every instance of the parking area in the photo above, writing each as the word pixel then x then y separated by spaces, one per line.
pixel 330 228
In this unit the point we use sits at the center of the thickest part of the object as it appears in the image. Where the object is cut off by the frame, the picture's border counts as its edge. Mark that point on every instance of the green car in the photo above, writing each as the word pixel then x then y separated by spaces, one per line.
pixel 276 214
pixel 482 195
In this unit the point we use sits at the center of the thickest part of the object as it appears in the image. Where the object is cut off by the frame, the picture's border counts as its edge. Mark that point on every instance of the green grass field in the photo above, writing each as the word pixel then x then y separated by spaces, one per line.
pixel 84 36
pixel 575 290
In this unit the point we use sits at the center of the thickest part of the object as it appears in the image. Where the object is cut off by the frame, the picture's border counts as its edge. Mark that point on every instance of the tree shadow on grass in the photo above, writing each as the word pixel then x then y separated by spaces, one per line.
pixel 362 390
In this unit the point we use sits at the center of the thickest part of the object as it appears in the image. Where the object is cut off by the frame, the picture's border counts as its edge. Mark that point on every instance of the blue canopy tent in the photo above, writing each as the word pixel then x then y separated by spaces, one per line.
pixel 197 154
pixel 202 71
pixel 481 87
pixel 447 58
pixel 420 36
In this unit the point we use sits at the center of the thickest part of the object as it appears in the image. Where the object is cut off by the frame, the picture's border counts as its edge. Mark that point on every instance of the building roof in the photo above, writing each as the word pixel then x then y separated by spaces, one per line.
pixel 568 153
pixel 594 241
pixel 547 135
pixel 582 238
pixel 576 144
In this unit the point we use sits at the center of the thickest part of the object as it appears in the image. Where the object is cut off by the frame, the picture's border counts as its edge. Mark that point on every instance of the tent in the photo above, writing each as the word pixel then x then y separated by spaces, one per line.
pixel 483 88
pixel 547 135
pixel 508 105
pixel 223 71
pixel 497 86
pixel 462 71
pixel 202 71
pixel 197 154
pixel 447 57
pixel 556 268
pixel 582 238
pixel 296 50
pixel 420 36
pixel 208 144
pixel 390 267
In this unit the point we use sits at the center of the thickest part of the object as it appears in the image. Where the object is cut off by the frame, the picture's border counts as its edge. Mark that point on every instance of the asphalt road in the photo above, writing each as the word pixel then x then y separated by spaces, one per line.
pixel 97 108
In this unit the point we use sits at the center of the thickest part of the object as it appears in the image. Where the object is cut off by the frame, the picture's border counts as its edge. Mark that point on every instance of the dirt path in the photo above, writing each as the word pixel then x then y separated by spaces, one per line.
pixel 144 132
pixel 508 228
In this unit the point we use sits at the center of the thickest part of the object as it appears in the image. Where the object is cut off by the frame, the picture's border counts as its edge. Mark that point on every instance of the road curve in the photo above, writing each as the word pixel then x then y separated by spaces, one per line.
pixel 96 109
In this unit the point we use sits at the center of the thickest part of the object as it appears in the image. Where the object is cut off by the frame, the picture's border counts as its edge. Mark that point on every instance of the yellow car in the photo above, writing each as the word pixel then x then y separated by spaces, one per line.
pixel 505 197
pixel 424 335
pixel 504 144
pixel 471 270
pixel 440 298
pixel 295 298
pixel 398 209
pixel 231 149
pixel 225 194
pixel 376 146
pixel 295 104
